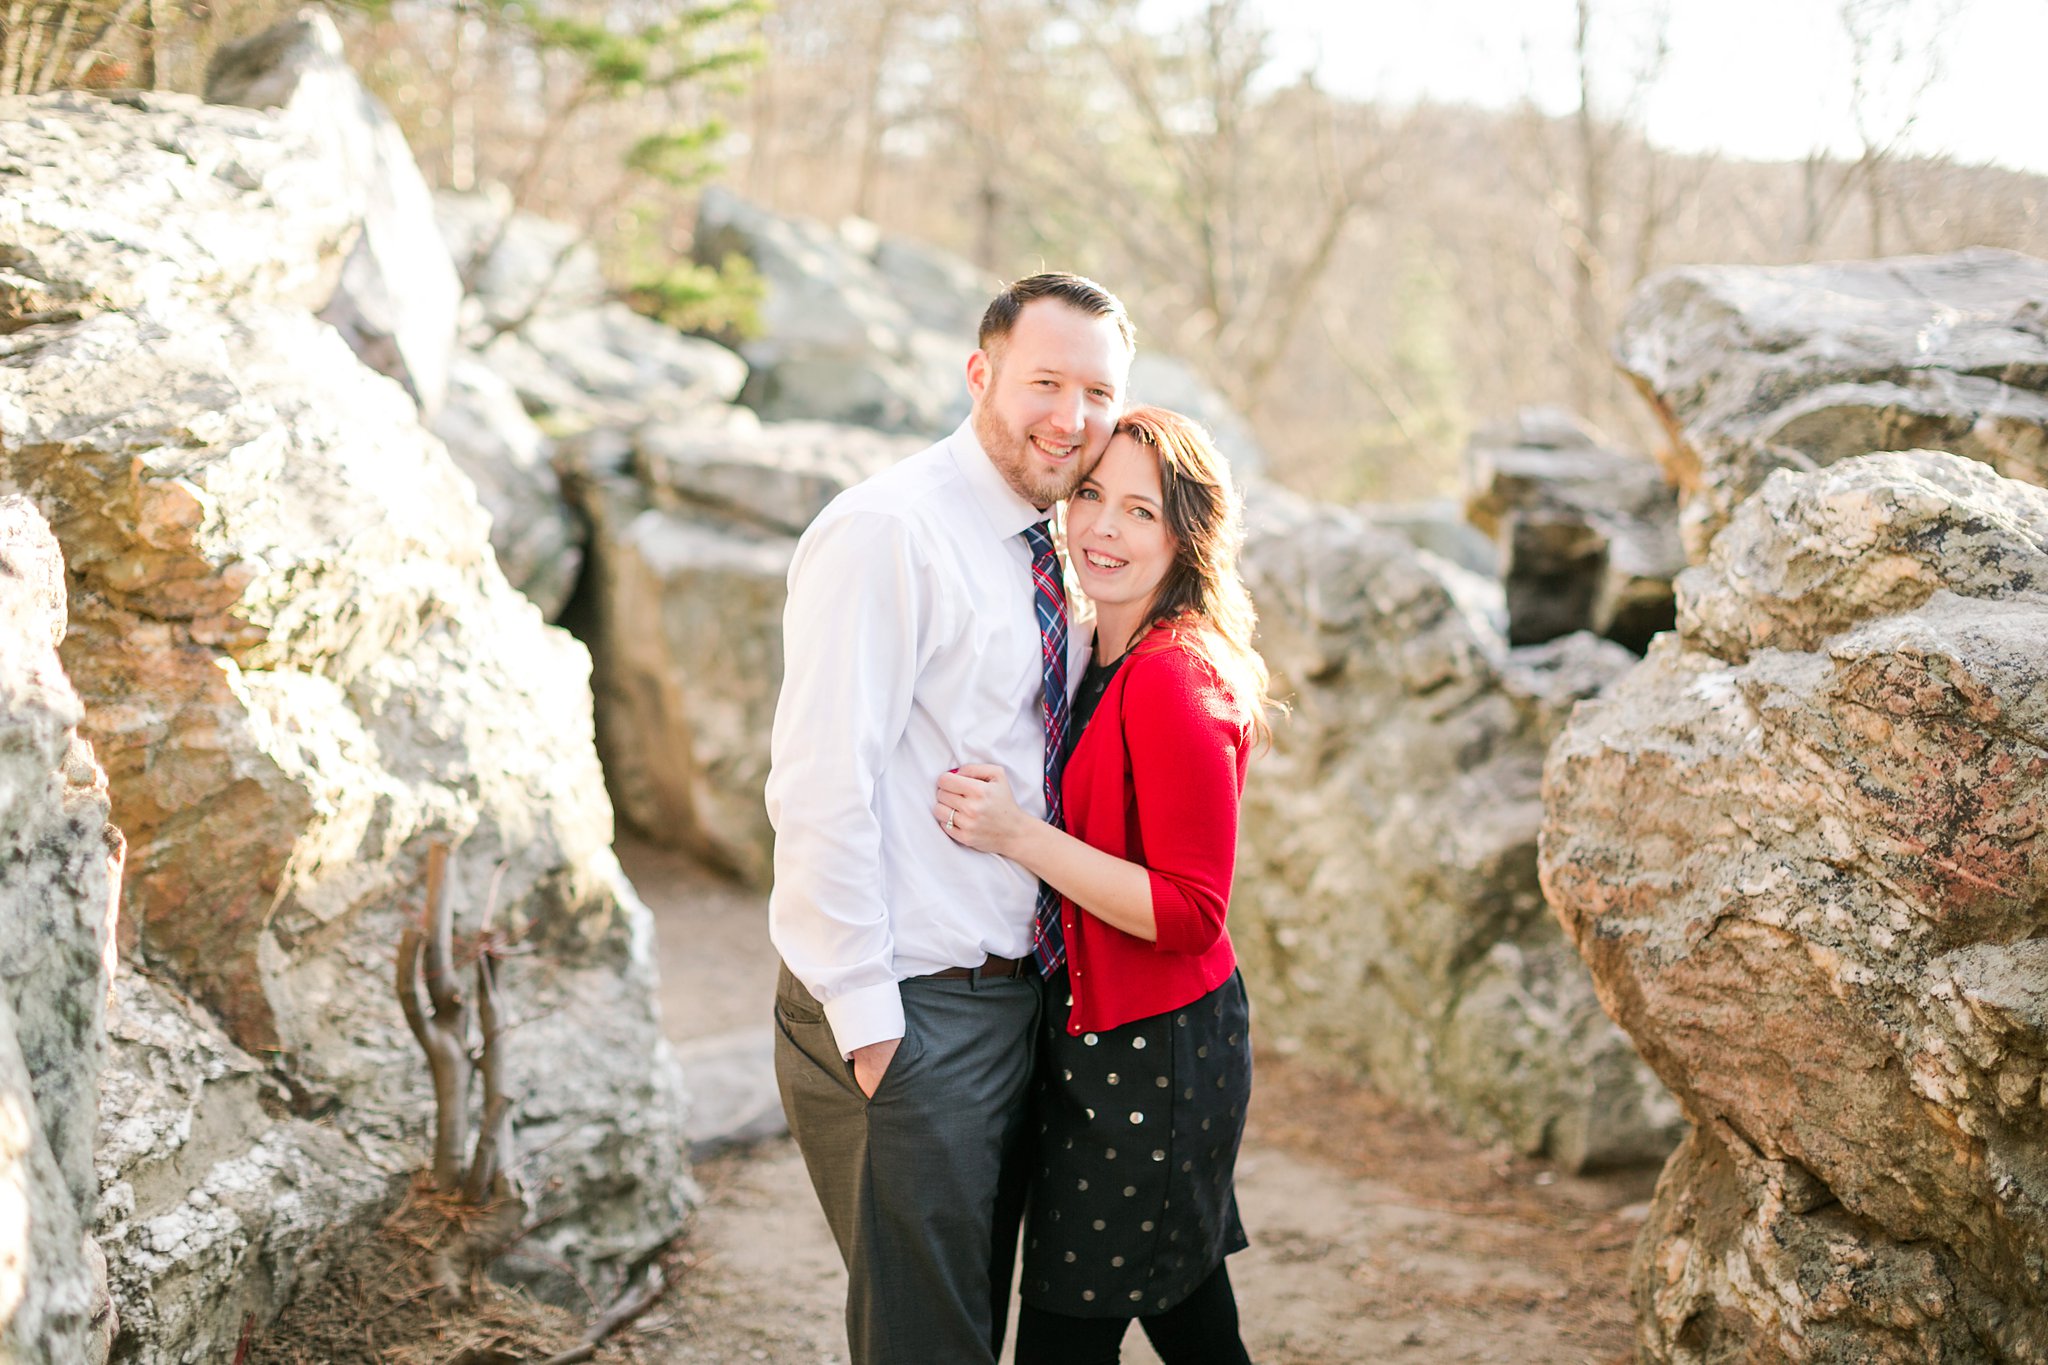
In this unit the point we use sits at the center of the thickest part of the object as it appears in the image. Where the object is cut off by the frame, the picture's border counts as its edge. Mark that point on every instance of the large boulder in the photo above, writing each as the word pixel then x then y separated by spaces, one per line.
pixel 1800 849
pixel 301 665
pixel 537 537
pixel 398 294
pixel 1386 906
pixel 87 223
pixel 1587 536
pixel 540 316
pixel 1755 369
pixel 217 1199
pixel 59 877
pixel 692 540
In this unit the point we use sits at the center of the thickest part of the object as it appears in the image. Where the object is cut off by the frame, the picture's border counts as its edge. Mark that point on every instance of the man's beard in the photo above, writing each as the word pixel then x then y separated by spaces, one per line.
pixel 1010 452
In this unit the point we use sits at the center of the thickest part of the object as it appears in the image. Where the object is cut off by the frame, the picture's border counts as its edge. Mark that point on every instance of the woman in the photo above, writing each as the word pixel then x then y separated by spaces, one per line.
pixel 1146 1052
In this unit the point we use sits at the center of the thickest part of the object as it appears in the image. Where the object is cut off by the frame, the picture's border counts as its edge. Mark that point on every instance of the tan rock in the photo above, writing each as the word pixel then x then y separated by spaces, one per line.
pixel 1799 849
pixel 1753 369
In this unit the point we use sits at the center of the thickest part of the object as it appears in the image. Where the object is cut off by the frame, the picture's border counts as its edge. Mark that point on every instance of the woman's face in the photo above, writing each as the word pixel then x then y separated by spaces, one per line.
pixel 1116 526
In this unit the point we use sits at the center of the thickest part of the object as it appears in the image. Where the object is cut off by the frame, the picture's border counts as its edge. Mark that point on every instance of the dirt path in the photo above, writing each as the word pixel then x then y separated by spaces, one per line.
pixel 1376 1235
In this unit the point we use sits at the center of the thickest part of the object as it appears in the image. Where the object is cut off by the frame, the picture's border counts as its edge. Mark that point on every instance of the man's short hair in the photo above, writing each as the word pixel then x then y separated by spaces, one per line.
pixel 1073 290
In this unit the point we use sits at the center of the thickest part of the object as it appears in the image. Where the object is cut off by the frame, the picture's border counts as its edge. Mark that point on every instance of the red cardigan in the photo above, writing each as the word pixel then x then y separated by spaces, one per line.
pixel 1155 779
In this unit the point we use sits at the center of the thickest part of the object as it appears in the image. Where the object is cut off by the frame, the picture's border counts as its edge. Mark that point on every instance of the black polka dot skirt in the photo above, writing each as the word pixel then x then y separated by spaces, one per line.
pixel 1132 1201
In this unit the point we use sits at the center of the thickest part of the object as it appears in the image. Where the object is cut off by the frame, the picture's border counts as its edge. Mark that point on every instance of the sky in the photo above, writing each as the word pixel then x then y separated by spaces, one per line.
pixel 1756 79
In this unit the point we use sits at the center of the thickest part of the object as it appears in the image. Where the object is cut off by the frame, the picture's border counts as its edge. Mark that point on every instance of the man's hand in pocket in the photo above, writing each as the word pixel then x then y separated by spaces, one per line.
pixel 871 1062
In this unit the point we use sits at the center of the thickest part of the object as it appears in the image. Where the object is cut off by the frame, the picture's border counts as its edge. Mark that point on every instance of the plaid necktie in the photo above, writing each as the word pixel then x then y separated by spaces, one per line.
pixel 1049 600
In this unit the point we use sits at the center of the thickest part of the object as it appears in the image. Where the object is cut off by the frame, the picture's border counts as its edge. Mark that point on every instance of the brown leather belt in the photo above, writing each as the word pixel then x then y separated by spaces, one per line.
pixel 992 966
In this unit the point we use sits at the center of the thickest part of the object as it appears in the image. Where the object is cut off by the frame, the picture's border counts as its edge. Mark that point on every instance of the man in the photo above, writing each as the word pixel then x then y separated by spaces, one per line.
pixel 925 630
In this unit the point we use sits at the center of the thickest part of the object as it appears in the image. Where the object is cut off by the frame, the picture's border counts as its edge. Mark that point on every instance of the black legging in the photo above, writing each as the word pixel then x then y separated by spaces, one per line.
pixel 1200 1330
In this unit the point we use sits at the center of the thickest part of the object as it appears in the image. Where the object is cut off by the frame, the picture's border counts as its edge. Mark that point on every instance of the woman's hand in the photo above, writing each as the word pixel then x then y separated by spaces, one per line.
pixel 975 808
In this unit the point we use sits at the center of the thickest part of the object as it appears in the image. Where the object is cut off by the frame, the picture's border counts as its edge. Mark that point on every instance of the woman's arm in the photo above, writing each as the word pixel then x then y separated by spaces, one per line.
pixel 976 808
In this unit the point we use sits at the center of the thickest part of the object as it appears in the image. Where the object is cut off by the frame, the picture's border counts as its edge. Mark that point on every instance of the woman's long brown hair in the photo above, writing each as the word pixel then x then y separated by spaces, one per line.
pixel 1202 588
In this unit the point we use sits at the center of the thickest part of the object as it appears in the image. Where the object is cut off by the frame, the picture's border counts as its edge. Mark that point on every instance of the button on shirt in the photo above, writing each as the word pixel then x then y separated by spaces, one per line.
pixel 910 648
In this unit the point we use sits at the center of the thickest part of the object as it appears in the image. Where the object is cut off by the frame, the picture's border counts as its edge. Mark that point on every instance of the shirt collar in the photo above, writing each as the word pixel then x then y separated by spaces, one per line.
pixel 1006 511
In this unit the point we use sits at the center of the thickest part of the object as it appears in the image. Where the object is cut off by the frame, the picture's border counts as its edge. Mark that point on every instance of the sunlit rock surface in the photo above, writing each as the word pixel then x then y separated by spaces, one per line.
pixel 1754 369
pixel 1801 849
pixel 398 294
pixel 59 874
pixel 300 663
pixel 1386 905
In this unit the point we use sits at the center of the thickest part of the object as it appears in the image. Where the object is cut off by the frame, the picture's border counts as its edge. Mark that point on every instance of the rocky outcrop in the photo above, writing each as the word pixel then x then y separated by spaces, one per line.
pixel 694 526
pixel 539 315
pixel 398 293
pixel 59 876
pixel 1800 849
pixel 1755 369
pixel 1587 536
pixel 300 664
pixel 258 211
pixel 537 537
pixel 1386 905
pixel 872 330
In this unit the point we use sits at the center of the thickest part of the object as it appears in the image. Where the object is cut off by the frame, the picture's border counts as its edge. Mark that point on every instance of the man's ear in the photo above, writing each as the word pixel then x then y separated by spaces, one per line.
pixel 980 370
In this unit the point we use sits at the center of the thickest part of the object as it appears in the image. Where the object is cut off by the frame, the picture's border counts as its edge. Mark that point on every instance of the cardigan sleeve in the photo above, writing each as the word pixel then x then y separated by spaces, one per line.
pixel 1186 740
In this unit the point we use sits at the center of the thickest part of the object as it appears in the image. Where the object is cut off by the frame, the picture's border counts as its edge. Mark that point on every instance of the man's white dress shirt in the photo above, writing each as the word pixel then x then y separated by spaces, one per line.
pixel 910 647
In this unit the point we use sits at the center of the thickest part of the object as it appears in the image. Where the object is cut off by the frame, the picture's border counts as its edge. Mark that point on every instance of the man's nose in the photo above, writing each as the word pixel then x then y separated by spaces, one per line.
pixel 1067 414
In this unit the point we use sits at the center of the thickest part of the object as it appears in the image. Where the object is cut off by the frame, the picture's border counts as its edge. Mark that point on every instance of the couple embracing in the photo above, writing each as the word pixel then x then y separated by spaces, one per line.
pixel 1004 844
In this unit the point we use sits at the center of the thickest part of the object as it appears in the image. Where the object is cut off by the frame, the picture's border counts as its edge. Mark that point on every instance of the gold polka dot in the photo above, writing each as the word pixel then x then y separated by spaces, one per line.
pixel 1138 1043
pixel 1137 1117
pixel 1112 1078
pixel 1089 1039
pixel 1088 1296
pixel 1116 1260
pixel 1100 1225
pixel 1145 1226
pixel 1130 1190
pixel 1068 1258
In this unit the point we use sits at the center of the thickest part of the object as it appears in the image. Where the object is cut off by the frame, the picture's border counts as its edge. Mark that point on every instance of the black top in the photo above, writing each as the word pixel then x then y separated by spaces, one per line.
pixel 1094 682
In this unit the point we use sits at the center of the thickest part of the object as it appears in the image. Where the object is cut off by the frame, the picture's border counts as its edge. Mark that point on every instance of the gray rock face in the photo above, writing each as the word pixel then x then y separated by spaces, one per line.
pixel 1758 369
pixel 398 295
pixel 209 1182
pixel 515 265
pixel 1386 905
pixel 300 663
pixel 539 315
pixel 1587 536
pixel 875 331
pixel 87 224
pixel 691 557
pixel 537 538
pixel 1799 847
pixel 59 877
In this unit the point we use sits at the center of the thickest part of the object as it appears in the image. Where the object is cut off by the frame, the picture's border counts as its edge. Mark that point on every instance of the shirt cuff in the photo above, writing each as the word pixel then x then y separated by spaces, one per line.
pixel 872 1014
